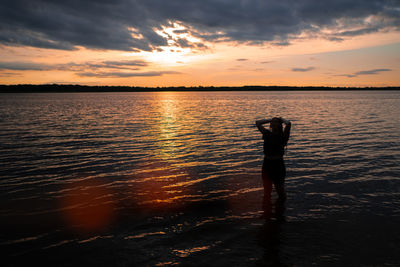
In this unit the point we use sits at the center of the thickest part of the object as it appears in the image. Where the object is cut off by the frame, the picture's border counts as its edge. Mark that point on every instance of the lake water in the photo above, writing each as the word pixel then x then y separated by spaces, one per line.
pixel 173 178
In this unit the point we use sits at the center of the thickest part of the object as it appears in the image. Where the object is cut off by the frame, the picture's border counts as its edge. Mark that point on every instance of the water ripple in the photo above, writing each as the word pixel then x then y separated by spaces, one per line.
pixel 193 160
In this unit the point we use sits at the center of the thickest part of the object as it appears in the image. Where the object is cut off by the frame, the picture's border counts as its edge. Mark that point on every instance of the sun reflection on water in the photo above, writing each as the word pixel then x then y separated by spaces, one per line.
pixel 165 178
pixel 168 125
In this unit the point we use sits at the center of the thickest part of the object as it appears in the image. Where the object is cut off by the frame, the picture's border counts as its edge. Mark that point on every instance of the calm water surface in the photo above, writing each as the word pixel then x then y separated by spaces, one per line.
pixel 170 178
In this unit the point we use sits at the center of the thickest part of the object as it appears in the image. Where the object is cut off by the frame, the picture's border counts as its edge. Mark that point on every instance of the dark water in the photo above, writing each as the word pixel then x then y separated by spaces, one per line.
pixel 143 179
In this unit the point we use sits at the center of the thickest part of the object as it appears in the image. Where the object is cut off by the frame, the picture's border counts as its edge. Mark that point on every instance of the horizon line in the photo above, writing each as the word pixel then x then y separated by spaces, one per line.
pixel 16 88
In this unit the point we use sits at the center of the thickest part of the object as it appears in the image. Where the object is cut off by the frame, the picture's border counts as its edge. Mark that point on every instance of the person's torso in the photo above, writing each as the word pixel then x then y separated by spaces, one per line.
pixel 274 146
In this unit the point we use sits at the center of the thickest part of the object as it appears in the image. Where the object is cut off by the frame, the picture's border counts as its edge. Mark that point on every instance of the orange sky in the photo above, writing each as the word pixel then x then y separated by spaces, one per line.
pixel 366 60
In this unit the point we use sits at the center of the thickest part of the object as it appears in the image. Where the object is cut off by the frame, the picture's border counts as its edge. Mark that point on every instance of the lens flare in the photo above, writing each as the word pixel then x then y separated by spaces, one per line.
pixel 87 206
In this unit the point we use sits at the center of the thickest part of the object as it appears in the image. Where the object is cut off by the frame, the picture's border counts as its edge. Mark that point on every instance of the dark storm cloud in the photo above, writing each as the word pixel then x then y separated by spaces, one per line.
pixel 132 25
pixel 365 72
pixel 184 43
pixel 303 69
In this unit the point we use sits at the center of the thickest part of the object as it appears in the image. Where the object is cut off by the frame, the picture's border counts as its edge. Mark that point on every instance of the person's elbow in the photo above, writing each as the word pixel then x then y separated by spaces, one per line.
pixel 259 122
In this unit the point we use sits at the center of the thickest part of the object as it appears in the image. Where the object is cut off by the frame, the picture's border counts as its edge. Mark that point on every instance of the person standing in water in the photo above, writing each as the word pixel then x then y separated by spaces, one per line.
pixel 273 168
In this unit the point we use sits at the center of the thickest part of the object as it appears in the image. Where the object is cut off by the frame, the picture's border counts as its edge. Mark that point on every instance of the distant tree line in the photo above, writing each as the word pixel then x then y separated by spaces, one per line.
pixel 71 88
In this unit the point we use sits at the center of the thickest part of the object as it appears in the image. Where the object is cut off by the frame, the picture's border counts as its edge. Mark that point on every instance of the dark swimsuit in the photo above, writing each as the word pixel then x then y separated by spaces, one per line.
pixel 274 169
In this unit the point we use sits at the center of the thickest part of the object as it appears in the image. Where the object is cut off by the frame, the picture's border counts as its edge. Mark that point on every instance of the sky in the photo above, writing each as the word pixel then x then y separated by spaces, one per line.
pixel 200 42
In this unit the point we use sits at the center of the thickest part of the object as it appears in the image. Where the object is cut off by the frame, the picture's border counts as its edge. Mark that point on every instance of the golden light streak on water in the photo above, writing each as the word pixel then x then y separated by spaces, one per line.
pixel 158 185
pixel 168 125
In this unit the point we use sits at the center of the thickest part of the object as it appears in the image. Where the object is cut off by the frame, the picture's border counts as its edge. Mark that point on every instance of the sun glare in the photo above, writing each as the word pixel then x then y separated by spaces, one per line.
pixel 183 48
pixel 169 57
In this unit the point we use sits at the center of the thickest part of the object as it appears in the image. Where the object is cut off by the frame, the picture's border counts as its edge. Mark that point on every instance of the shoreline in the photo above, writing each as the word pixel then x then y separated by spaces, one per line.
pixel 57 88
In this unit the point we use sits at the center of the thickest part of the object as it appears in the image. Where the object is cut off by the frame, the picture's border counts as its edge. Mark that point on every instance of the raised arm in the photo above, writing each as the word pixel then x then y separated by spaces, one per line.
pixel 260 126
pixel 286 131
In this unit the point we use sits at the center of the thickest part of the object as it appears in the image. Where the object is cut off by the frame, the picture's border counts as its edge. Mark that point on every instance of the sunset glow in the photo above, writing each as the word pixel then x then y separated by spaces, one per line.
pixel 185 44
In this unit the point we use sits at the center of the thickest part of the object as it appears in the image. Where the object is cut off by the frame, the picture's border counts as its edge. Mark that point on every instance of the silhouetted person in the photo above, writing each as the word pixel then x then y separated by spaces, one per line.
pixel 273 169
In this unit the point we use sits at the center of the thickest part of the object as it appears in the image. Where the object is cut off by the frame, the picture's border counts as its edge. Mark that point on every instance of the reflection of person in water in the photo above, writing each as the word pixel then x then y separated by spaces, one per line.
pixel 273 169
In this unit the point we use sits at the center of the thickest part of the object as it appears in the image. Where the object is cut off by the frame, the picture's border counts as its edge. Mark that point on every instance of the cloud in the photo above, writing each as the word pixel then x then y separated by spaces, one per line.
pixel 125 74
pixel 370 72
pixel 9 74
pixel 100 69
pixel 303 69
pixel 24 66
pixel 365 72
pixel 140 63
pixel 242 59
pixel 34 66
pixel 131 25
pixel 128 65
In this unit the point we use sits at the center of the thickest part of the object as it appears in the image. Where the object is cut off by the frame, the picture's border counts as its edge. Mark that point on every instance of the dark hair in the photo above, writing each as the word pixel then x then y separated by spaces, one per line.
pixel 280 128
